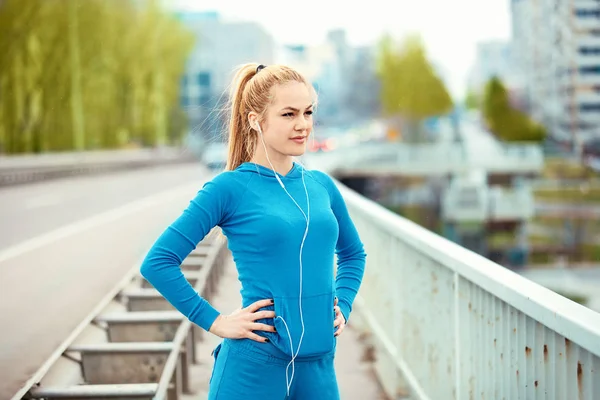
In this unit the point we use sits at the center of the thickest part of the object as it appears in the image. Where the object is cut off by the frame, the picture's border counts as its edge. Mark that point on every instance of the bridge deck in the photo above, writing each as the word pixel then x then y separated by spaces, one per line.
pixel 355 377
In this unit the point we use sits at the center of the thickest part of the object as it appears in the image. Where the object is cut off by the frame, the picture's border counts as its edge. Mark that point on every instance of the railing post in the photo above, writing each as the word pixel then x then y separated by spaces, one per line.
pixel 457 335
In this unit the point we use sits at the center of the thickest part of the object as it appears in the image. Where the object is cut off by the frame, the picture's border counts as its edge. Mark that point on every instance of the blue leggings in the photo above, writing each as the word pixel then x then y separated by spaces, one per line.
pixel 243 372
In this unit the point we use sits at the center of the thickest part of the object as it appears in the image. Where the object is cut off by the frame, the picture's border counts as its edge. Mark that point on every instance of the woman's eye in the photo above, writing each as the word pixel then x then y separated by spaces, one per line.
pixel 288 114
pixel 309 112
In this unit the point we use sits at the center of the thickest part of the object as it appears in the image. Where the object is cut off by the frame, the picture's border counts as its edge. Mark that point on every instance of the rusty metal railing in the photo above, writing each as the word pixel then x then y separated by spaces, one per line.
pixel 446 323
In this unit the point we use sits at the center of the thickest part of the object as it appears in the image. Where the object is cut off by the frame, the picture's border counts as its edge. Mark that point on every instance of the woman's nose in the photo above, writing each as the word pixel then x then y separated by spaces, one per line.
pixel 302 124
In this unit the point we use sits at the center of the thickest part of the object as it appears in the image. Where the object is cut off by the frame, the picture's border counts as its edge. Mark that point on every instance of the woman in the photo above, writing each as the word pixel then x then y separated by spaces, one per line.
pixel 284 224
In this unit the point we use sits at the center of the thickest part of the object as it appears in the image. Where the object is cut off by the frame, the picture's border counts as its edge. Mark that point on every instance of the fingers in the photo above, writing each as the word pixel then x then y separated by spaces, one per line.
pixel 335 301
pixel 339 317
pixel 259 304
pixel 262 315
pixel 338 321
pixel 263 327
pixel 256 337
pixel 338 313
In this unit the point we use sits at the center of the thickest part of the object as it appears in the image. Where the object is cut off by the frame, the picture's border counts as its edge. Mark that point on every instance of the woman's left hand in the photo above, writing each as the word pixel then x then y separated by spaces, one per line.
pixel 340 321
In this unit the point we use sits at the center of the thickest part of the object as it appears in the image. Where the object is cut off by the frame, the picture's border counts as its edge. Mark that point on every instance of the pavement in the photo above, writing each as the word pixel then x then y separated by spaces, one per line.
pixel 30 210
pixel 65 243
pixel 355 376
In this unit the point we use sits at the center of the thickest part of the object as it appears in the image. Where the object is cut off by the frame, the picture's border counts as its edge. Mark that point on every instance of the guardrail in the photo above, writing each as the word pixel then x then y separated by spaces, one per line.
pixel 444 322
pixel 382 158
pixel 134 344
pixel 592 163
pixel 30 168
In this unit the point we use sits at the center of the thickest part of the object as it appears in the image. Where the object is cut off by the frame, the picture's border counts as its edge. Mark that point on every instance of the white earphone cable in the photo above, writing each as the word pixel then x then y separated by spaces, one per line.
pixel 306 215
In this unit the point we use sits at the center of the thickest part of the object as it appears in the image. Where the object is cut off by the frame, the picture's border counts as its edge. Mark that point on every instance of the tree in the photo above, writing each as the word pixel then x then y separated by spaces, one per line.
pixel 472 100
pixel 387 71
pixel 410 87
pixel 88 74
pixel 505 121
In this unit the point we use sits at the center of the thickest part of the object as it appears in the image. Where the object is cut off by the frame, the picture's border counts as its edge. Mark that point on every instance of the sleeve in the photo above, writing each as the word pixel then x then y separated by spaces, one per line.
pixel 162 264
pixel 351 256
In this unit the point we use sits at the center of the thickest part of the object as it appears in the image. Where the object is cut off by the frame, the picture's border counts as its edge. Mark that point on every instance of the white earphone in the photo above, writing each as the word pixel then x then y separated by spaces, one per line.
pixel 307 218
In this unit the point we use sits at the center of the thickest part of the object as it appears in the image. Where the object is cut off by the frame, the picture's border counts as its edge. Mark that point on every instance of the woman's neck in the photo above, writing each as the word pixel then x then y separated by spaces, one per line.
pixel 282 164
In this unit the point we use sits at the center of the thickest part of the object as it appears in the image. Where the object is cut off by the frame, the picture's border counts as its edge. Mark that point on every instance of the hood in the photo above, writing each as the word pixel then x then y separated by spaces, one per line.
pixel 295 172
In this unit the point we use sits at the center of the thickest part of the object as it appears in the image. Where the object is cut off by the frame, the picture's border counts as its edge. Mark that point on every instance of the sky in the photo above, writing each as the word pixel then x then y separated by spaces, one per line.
pixel 450 28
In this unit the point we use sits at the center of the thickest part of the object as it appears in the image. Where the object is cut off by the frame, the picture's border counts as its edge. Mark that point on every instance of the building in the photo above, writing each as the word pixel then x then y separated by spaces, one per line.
pixel 322 66
pixel 363 96
pixel 557 51
pixel 220 47
pixel 492 58
pixel 497 58
pixel 343 76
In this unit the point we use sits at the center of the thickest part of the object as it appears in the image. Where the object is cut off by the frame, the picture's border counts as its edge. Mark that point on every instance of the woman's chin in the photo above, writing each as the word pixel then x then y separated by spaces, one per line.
pixel 296 151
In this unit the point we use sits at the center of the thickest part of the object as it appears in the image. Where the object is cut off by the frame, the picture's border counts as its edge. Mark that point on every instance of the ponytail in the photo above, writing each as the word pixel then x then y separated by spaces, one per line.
pixel 241 142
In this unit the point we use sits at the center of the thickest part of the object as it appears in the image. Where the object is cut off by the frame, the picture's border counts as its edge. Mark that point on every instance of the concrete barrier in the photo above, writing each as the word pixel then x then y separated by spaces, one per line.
pixel 31 168
pixel 134 345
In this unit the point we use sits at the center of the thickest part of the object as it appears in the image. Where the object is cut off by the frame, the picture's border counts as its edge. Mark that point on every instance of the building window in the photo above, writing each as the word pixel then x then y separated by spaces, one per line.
pixel 585 107
pixel 589 51
pixel 582 13
pixel 568 125
pixel 185 101
pixel 204 100
pixel 204 79
pixel 592 70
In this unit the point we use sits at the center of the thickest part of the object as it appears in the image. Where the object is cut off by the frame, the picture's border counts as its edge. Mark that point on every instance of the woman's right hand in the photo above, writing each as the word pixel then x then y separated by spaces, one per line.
pixel 241 323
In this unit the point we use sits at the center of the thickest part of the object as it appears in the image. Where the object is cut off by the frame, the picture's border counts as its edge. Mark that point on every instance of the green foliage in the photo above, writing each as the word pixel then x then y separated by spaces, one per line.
pixel 88 74
pixel 577 298
pixel 410 87
pixel 503 120
pixel 472 100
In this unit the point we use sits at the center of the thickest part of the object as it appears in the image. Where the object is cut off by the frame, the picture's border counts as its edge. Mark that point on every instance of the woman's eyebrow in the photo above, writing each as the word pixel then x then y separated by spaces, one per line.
pixel 295 109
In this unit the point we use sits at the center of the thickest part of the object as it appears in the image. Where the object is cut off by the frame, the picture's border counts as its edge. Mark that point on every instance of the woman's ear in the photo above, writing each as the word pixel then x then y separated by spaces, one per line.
pixel 253 120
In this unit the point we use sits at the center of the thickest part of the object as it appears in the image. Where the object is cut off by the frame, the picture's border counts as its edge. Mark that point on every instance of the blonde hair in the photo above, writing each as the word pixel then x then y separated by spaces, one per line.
pixel 252 91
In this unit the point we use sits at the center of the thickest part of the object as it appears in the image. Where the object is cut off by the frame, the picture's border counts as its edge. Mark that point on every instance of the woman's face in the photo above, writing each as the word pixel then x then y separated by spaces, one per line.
pixel 288 119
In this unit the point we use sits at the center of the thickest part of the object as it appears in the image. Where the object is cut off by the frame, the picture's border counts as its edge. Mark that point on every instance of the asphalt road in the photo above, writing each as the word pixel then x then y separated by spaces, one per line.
pixel 65 243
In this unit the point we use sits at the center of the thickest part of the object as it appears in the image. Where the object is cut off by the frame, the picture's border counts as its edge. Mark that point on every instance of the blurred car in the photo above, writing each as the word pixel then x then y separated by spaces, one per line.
pixel 214 155
pixel 591 148
pixel 322 144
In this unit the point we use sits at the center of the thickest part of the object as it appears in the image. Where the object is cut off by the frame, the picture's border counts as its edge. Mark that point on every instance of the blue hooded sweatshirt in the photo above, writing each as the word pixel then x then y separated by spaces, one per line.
pixel 264 230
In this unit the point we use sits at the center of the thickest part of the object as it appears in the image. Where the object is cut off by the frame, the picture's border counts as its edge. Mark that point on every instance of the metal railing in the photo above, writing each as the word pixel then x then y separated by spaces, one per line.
pixel 433 158
pixel 134 344
pixel 515 158
pixel 483 203
pixel 446 323
pixel 515 203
